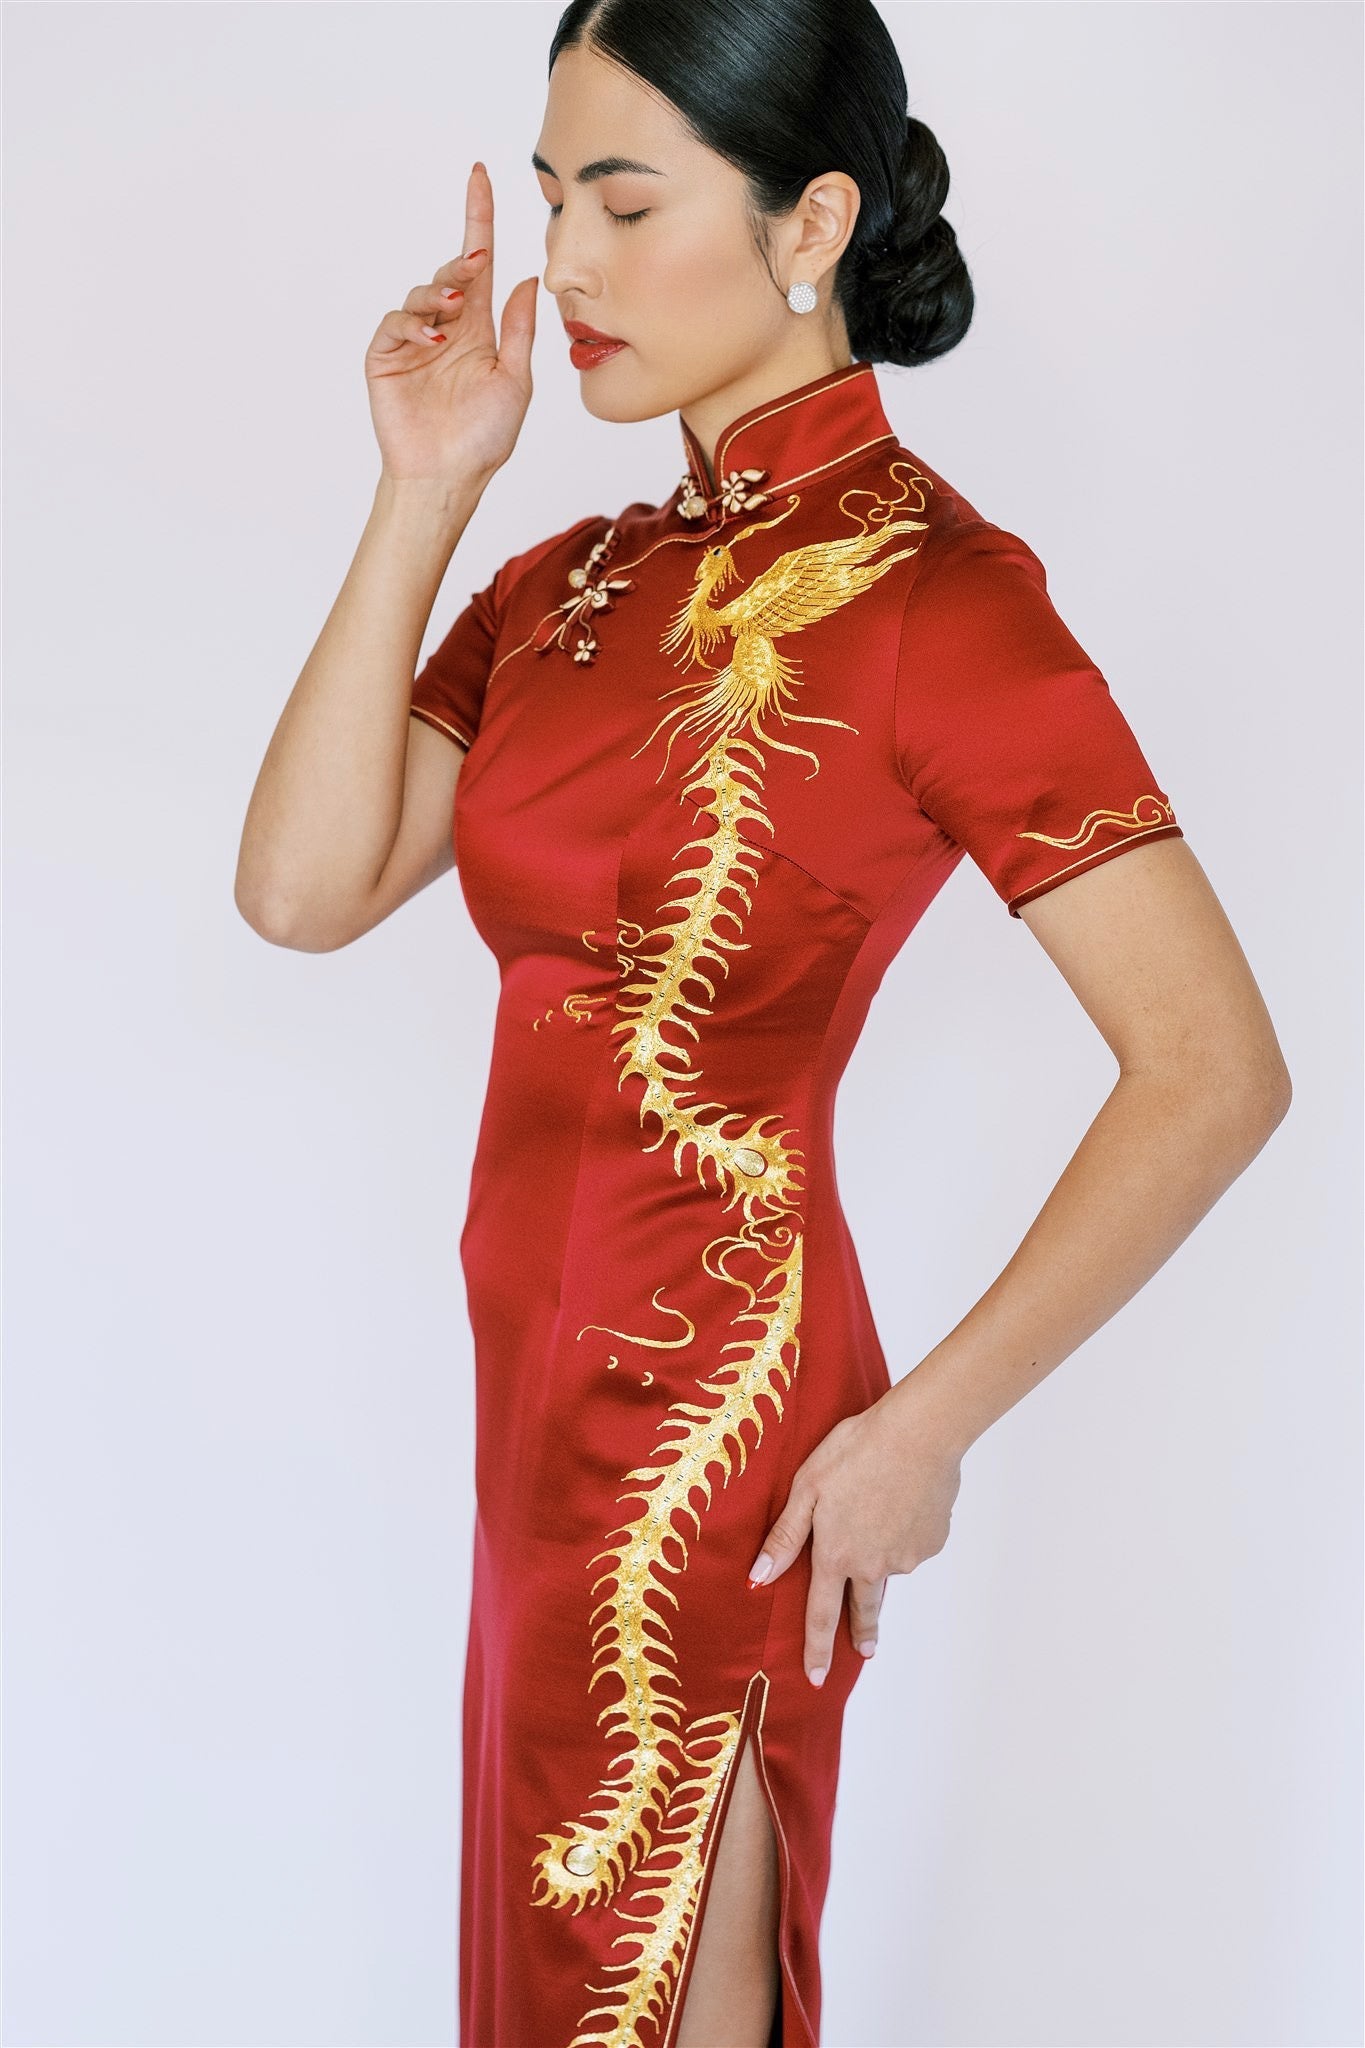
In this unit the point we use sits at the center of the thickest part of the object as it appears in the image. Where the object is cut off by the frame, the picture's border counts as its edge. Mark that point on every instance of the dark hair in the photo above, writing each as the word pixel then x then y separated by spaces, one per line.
pixel 786 90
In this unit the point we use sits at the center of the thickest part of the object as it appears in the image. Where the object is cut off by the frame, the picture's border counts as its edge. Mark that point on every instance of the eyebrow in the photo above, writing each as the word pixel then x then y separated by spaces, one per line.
pixel 601 167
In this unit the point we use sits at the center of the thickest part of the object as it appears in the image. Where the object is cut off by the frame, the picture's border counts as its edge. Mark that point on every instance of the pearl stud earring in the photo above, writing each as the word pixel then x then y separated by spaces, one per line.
pixel 802 297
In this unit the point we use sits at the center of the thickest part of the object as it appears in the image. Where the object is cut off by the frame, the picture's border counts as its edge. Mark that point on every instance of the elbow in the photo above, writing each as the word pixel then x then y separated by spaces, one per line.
pixel 1276 1097
pixel 1247 1098
pixel 279 919
pixel 264 909
pixel 261 917
pixel 1264 1089
pixel 1236 1100
pixel 260 901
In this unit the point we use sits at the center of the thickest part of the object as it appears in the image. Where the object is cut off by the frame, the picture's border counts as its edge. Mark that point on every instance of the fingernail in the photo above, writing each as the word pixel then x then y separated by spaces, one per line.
pixel 452 292
pixel 866 1649
pixel 817 1677
pixel 473 253
pixel 434 332
pixel 760 1569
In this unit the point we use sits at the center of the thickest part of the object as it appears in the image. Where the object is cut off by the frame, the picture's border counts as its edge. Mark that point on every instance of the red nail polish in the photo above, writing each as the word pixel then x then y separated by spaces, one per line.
pixel 473 253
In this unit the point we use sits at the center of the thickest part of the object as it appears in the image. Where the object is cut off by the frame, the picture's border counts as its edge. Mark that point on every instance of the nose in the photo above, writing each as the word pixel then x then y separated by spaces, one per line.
pixel 570 270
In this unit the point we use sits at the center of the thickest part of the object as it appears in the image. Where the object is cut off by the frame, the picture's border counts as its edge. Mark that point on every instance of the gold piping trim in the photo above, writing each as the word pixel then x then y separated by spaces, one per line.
pixel 420 711
pixel 1149 833
pixel 785 404
pixel 790 482
pixel 784 1915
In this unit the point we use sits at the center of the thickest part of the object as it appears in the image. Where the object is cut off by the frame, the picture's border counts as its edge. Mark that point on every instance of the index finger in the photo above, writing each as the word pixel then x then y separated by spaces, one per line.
pixel 478 211
pixel 474 269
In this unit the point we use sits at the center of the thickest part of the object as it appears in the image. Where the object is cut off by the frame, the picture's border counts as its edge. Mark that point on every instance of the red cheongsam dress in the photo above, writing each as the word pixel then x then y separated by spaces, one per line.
pixel 722 753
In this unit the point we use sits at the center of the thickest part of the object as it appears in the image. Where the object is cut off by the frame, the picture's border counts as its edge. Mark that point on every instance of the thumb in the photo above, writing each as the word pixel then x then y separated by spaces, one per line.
pixel 785 1540
pixel 519 327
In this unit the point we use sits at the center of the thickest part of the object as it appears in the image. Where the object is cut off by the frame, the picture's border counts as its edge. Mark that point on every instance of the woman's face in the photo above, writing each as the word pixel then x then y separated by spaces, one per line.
pixel 683 284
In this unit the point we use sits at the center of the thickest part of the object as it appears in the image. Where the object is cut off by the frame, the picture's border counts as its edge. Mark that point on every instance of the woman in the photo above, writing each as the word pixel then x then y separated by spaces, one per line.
pixel 723 750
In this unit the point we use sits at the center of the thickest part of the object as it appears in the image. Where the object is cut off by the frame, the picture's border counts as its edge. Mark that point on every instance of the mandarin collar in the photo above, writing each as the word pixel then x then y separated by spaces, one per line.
pixel 786 440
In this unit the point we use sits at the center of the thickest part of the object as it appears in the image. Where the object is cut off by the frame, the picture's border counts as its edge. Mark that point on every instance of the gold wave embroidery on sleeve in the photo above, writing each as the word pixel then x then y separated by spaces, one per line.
pixel 1135 820
pixel 660 1785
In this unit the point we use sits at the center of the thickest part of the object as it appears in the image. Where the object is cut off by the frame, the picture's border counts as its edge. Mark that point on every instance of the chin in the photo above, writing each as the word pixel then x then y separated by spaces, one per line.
pixel 629 401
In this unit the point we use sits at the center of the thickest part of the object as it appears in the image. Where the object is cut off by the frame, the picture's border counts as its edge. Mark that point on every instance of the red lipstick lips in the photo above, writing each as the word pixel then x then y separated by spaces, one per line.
pixel 588 347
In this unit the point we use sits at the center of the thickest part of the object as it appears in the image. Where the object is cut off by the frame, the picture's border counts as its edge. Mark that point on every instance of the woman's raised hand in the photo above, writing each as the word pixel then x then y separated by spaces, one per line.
pixel 447 395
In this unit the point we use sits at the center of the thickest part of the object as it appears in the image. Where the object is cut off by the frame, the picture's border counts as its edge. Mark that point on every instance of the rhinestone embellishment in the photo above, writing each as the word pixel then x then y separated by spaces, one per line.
pixel 594 591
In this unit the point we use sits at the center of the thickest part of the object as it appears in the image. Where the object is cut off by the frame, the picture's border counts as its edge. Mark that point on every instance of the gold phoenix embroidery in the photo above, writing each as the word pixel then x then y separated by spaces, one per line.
pixel 734 497
pixel 758 1172
pixel 1125 821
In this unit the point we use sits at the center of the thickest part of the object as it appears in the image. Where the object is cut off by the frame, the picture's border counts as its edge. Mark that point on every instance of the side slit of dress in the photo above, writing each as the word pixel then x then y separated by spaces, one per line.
pixel 789 2005
pixel 788 1997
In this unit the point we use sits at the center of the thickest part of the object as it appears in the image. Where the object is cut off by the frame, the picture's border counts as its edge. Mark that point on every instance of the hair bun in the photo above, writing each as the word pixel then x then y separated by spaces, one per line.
pixel 914 297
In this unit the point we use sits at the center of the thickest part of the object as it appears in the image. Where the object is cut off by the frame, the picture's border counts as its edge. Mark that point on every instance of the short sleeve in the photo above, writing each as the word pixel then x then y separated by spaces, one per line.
pixel 1007 735
pixel 448 690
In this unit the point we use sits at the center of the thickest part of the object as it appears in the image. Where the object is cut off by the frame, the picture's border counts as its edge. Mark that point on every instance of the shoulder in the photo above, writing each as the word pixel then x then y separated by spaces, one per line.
pixel 964 561
pixel 957 552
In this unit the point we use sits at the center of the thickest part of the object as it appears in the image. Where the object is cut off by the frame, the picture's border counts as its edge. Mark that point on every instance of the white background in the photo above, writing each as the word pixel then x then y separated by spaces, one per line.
pixel 1100 1785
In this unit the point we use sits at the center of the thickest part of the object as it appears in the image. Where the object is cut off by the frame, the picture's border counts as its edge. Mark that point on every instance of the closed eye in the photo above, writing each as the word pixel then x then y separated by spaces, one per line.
pixel 623 219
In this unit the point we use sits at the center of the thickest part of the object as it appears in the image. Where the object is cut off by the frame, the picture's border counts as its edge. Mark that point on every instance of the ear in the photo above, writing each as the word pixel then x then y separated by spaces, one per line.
pixel 826 219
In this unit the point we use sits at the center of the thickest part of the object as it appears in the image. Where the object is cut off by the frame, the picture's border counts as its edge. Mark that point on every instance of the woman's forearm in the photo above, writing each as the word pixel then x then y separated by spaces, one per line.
pixel 1156 1158
pixel 327 802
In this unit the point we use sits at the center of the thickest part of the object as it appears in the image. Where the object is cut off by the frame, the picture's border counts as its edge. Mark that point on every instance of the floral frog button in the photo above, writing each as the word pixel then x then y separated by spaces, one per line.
pixel 735 492
pixel 594 590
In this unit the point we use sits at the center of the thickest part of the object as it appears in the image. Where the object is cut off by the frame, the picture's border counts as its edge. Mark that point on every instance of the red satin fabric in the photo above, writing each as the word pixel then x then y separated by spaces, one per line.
pixel 713 781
